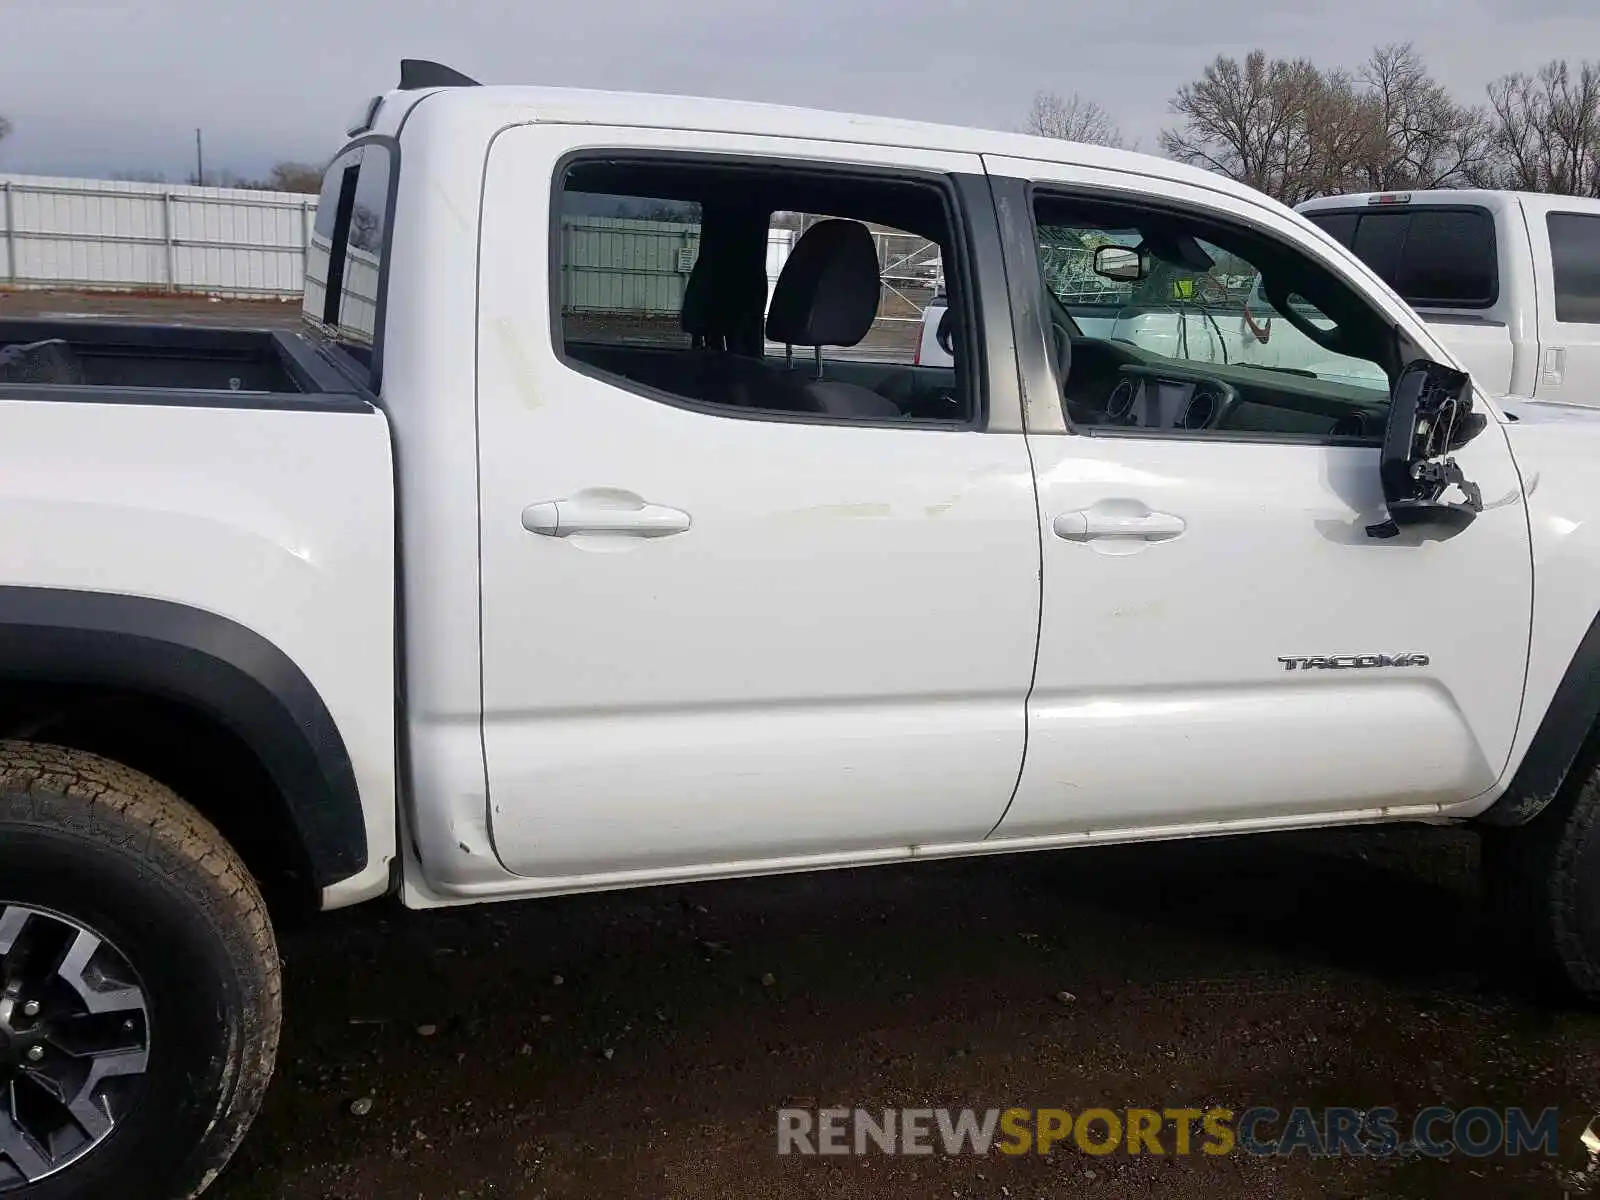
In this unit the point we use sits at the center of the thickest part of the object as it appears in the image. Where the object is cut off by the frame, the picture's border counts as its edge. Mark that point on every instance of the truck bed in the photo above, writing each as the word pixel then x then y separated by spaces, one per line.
pixel 152 364
pixel 157 487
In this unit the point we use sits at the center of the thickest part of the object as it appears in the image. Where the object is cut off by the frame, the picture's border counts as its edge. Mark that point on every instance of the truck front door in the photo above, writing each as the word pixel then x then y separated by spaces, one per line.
pixel 1222 641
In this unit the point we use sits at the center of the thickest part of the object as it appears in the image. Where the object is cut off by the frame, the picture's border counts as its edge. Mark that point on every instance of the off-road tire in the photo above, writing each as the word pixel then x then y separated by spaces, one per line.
pixel 119 854
pixel 1541 882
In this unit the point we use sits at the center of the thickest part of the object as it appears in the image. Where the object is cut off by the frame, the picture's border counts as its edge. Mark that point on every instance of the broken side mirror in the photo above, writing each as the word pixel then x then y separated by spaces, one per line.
pixel 1429 417
pixel 1121 263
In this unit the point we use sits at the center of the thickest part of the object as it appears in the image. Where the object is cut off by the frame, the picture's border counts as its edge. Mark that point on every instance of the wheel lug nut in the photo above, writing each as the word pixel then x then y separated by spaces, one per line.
pixel 35 1053
pixel 31 1009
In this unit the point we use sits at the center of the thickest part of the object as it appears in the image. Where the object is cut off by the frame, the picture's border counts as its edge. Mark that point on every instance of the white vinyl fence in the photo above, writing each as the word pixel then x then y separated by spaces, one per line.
pixel 359 308
pixel 158 237
pixel 98 234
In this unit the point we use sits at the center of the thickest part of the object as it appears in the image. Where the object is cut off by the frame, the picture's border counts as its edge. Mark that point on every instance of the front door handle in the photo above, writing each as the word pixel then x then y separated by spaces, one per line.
pixel 1089 524
pixel 606 511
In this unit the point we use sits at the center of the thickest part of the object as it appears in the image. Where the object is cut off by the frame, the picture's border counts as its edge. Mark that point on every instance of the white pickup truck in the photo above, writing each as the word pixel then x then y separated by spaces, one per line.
pixel 493 583
pixel 1510 281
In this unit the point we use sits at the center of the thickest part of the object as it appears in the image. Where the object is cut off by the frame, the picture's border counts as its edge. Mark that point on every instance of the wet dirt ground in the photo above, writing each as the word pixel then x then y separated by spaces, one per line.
pixel 640 1044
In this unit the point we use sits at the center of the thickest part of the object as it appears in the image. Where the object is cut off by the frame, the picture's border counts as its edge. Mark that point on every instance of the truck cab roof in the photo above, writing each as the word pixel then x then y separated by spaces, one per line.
pixel 522 104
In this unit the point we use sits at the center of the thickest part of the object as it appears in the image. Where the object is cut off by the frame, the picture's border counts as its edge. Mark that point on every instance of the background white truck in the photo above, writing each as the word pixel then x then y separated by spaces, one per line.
pixel 1510 281
pixel 465 593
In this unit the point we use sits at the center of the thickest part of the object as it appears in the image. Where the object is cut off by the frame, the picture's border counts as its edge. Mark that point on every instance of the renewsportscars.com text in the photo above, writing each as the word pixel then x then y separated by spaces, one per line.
pixel 1436 1132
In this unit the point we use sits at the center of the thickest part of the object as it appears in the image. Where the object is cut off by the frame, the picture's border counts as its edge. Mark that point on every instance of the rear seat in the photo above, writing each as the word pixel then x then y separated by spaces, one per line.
pixel 826 295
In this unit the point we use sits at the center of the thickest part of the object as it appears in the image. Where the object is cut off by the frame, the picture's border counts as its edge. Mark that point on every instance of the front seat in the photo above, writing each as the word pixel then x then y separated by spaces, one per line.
pixel 722 309
pixel 724 297
pixel 827 295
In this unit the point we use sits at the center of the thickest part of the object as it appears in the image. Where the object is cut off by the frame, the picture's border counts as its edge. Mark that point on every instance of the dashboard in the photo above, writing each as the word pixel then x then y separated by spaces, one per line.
pixel 1116 385
pixel 1155 398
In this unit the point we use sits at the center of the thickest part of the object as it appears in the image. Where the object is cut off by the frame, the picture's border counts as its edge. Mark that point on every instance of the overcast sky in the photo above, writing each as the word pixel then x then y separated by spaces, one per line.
pixel 96 86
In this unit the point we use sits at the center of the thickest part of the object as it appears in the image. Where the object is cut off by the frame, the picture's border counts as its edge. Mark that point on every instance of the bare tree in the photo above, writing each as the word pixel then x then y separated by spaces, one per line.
pixel 295 177
pixel 1421 138
pixel 5 127
pixel 217 177
pixel 284 177
pixel 1281 126
pixel 1546 130
pixel 1295 131
pixel 1074 119
pixel 1342 125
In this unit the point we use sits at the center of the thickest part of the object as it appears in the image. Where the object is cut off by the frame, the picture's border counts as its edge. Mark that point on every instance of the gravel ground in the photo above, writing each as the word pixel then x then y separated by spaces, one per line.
pixel 640 1043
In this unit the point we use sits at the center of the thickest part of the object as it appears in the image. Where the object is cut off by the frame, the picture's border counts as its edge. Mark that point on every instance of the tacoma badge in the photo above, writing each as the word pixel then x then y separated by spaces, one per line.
pixel 1345 662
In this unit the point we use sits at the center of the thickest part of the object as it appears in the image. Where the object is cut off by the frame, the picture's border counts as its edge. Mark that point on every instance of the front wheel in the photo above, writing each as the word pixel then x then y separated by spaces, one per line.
pixel 1542 882
pixel 139 985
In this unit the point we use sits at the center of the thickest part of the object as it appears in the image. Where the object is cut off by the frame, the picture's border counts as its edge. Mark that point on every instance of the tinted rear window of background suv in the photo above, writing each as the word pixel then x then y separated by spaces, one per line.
pixel 1435 257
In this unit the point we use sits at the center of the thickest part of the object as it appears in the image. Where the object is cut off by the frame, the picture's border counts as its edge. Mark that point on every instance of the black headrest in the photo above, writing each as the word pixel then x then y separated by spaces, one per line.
pixel 827 294
pixel 720 293
pixel 724 293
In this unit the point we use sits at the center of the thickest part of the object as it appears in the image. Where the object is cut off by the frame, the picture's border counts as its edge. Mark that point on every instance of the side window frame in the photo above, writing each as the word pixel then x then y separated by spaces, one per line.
pixel 1555 276
pixel 367 372
pixel 1034 190
pixel 975 373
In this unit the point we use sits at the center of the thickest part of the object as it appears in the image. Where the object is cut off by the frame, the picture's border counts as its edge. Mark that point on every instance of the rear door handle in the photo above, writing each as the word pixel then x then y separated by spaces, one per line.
pixel 1087 525
pixel 604 510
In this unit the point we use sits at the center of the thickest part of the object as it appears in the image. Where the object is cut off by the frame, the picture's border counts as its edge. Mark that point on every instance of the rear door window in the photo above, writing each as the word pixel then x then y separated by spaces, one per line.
pixel 1575 261
pixel 666 274
pixel 1435 257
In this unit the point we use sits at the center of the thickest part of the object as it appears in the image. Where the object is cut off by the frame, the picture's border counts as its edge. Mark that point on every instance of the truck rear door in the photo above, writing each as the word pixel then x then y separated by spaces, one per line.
pixel 739 611
pixel 1564 234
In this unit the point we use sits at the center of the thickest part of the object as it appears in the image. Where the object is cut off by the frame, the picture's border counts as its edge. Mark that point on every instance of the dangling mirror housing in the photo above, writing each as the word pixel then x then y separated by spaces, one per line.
pixel 1430 417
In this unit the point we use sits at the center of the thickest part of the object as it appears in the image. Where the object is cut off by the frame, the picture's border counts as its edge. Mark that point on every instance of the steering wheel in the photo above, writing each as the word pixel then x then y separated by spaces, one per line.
pixel 1077 412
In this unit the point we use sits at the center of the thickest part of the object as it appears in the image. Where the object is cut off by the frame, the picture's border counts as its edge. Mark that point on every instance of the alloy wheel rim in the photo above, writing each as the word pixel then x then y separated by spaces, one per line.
pixel 74 1042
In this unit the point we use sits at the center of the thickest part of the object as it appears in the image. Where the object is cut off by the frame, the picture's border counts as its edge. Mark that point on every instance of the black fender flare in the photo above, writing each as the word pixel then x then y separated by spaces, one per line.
pixel 216 666
pixel 1559 741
